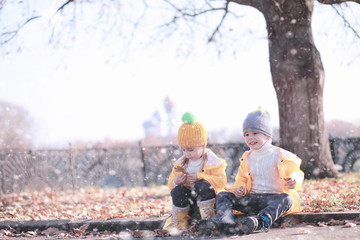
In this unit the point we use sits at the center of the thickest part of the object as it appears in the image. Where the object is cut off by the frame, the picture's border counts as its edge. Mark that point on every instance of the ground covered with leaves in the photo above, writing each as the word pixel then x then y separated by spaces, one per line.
pixel 331 195
pixel 325 195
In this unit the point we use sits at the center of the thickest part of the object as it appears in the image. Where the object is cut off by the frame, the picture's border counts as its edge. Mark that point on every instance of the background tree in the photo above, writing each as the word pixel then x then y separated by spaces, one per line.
pixel 298 78
pixel 15 127
pixel 343 129
pixel 297 74
pixel 295 63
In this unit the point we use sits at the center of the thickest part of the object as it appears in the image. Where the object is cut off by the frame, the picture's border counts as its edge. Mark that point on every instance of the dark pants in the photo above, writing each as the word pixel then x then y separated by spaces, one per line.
pixel 183 197
pixel 270 205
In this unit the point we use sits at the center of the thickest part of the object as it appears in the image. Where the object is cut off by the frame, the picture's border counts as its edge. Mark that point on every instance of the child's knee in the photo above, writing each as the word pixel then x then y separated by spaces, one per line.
pixel 179 192
pixel 223 195
pixel 287 199
pixel 203 185
pixel 204 190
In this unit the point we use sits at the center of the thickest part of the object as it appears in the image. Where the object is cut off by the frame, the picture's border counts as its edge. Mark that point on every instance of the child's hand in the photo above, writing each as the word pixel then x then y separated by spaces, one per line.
pixel 290 183
pixel 192 178
pixel 180 179
pixel 240 192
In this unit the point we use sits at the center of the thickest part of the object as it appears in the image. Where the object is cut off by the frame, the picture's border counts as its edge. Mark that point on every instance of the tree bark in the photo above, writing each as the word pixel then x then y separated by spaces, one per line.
pixel 298 79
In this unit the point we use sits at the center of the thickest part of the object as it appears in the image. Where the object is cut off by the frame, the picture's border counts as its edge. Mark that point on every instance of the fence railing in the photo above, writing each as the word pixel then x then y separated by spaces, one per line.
pixel 122 166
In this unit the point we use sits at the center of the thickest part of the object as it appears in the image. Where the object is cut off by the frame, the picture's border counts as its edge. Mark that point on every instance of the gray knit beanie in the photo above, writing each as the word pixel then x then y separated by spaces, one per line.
pixel 258 121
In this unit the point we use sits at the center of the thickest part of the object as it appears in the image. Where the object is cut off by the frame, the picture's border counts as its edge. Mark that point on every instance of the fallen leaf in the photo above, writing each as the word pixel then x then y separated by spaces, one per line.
pixel 161 233
pixel 141 233
pixel 321 224
pixel 303 231
pixel 179 168
pixel 350 225
pixel 84 227
pixel 333 222
pixel 50 231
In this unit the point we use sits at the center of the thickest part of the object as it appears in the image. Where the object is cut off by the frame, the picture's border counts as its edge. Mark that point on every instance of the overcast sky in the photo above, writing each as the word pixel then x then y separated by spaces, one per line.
pixel 85 92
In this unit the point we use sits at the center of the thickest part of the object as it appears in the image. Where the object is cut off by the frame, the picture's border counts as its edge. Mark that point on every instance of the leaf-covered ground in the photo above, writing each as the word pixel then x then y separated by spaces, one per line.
pixel 341 194
pixel 329 195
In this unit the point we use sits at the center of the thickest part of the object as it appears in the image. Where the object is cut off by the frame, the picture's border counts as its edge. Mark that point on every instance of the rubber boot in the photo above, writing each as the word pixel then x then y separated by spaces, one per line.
pixel 178 219
pixel 224 224
pixel 248 225
pixel 264 223
pixel 207 208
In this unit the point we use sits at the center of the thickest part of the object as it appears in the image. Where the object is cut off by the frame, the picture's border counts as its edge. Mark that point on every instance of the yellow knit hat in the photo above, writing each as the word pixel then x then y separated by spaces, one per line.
pixel 191 133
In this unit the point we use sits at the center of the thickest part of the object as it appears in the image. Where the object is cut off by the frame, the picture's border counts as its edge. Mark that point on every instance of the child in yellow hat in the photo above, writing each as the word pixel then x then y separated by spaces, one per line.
pixel 196 177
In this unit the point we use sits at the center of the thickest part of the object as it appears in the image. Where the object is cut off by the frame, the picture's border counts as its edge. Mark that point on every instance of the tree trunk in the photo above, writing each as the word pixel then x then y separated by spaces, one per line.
pixel 298 78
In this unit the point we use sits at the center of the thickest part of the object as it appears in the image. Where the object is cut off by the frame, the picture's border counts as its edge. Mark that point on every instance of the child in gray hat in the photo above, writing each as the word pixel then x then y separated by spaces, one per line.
pixel 265 186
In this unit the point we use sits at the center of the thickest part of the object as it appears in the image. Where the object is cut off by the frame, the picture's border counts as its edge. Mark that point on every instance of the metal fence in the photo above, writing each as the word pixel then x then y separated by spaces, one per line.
pixel 123 166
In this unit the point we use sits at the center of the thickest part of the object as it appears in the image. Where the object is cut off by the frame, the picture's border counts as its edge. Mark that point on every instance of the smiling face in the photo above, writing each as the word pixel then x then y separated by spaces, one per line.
pixel 193 153
pixel 255 140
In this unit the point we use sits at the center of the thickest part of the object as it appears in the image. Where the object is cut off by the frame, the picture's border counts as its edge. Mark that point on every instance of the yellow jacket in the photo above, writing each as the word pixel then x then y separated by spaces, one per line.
pixel 213 171
pixel 289 167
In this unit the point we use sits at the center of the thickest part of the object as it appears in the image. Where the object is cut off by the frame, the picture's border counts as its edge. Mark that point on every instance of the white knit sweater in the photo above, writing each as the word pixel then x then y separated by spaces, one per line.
pixel 264 167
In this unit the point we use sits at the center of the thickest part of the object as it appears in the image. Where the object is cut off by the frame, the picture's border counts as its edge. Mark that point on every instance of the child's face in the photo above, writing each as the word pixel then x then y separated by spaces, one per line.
pixel 193 153
pixel 255 140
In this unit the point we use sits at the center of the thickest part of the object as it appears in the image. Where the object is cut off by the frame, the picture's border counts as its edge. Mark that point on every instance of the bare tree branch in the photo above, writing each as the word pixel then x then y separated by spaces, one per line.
pixel 220 24
pixel 136 24
pixel 62 6
pixel 205 11
pixel 195 14
pixel 8 36
pixel 346 23
pixel 56 12
pixel 172 5
pixel 337 1
pixel 252 3
pixel 2 2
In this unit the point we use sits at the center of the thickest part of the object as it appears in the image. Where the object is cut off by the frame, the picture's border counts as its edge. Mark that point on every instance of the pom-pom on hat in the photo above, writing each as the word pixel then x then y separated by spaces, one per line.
pixel 191 133
pixel 258 121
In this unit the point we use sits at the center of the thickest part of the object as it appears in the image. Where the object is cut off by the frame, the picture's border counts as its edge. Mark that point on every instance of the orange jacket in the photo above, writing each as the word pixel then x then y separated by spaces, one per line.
pixel 289 167
pixel 213 171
